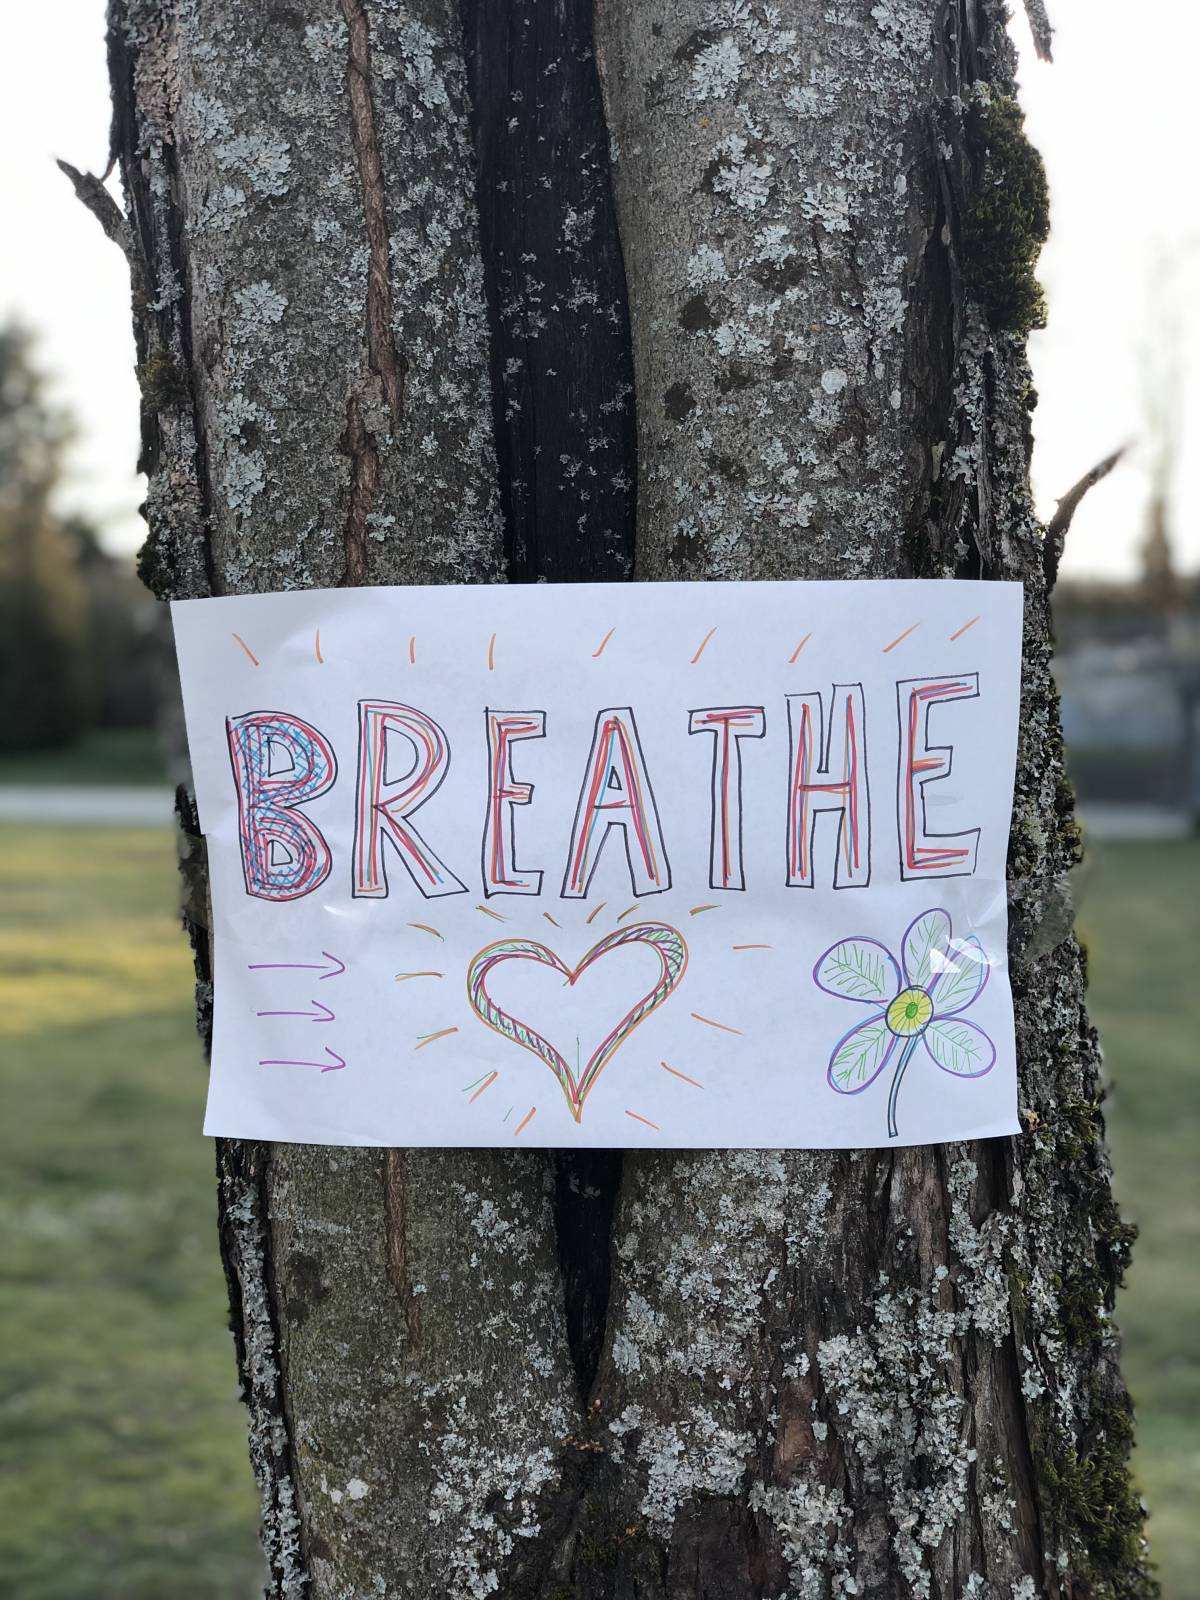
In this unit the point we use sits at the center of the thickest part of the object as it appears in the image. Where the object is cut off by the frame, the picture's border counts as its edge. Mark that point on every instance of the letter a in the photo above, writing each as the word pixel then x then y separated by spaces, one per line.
pixel 383 808
pixel 616 793
pixel 279 762
pixel 816 784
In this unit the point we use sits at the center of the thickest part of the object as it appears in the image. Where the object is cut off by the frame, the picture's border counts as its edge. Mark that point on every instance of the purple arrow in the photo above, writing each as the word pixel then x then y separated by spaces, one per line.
pixel 315 1015
pixel 337 1062
pixel 335 971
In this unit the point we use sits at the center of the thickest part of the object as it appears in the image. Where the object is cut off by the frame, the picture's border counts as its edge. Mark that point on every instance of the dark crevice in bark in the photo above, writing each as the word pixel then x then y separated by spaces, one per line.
pixel 358 443
pixel 195 907
pixel 176 561
pixel 395 1213
pixel 586 1183
pixel 564 424
pixel 244 1235
pixel 386 360
pixel 934 344
pixel 561 357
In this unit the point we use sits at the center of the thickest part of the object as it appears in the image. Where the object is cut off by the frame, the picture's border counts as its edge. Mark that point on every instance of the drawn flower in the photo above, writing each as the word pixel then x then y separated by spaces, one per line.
pixel 916 1001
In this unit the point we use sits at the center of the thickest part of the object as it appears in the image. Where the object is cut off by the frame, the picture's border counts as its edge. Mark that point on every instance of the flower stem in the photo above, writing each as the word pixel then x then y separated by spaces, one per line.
pixel 905 1056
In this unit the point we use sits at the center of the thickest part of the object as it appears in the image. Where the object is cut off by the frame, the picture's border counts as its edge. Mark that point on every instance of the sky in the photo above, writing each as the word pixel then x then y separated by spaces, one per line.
pixel 1115 117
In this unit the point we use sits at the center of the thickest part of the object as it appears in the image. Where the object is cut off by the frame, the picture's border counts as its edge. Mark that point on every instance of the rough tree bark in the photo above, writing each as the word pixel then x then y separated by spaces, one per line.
pixel 399 269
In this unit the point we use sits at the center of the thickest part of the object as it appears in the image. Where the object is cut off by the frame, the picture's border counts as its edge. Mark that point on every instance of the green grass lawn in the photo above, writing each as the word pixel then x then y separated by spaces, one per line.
pixel 1139 913
pixel 122 1447
pixel 104 756
pixel 123 1469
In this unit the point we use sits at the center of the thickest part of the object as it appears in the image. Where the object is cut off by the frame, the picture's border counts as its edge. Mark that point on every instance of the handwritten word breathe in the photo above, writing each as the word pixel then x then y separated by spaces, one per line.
pixel 281 763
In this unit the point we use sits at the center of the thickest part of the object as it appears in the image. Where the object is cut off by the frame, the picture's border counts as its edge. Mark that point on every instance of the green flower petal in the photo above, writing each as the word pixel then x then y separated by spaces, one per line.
pixel 959 1047
pixel 858 969
pixel 860 1056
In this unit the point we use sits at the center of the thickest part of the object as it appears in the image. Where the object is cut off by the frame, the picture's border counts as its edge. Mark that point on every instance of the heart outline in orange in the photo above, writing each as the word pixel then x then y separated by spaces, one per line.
pixel 667 943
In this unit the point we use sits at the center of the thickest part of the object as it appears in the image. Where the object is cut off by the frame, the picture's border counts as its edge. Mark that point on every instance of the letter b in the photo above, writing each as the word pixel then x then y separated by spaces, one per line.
pixel 280 762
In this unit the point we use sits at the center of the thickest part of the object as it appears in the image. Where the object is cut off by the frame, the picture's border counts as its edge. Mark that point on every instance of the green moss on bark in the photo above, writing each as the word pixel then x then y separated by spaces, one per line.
pixel 1008 218
pixel 1090 1491
pixel 163 381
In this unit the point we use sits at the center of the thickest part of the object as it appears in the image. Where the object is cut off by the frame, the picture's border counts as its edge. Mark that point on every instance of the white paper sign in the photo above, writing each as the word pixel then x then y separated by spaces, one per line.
pixel 708 865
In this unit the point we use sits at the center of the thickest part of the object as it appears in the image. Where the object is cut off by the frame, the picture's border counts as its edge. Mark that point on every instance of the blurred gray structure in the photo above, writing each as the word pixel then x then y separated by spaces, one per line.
pixel 1128 670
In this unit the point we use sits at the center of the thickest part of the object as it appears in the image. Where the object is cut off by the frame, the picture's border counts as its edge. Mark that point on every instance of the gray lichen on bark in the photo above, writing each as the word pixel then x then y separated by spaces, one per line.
pixel 284 277
pixel 885 1373
pixel 774 190
pixel 433 1448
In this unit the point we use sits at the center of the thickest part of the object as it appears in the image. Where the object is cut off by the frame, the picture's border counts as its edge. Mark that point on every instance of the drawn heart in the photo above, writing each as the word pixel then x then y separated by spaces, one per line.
pixel 667 945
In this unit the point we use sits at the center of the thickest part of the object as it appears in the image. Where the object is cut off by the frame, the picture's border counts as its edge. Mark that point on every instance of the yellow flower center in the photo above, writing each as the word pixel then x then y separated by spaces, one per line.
pixel 909 1012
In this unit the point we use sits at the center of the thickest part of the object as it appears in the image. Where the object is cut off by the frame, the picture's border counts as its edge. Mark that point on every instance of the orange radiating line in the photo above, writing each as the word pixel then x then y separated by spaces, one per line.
pixel 524 1120
pixel 490 913
pixel 486 1084
pixel 675 1073
pixel 900 638
pixel 646 1120
pixel 431 1037
pixel 246 648
pixel 599 650
pixel 703 643
pixel 797 650
pixel 963 629
pixel 492 653
pixel 425 928
pixel 708 1021
pixel 751 947
pixel 597 911
pixel 549 918
pixel 628 912
pixel 401 977
pixel 317 648
pixel 412 649
pixel 696 910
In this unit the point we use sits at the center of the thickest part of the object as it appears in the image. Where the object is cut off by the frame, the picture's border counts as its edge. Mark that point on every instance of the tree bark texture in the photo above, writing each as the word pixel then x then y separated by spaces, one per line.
pixel 401 271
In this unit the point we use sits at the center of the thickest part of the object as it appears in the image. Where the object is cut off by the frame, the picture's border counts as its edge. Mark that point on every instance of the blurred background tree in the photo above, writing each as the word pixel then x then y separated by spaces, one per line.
pixel 74 623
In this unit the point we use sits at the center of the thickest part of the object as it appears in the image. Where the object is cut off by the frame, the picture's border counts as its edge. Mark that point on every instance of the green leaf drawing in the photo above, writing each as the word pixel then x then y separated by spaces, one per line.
pixel 860 1056
pixel 960 1047
pixel 929 933
pixel 859 970
pixel 960 974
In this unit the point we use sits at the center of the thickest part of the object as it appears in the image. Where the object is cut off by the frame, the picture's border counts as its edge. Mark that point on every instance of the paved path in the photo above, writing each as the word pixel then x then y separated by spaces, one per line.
pixel 96 805
pixel 1104 820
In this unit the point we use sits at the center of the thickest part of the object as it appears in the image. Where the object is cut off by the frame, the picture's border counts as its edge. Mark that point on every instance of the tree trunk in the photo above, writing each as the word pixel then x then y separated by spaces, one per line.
pixel 400 269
